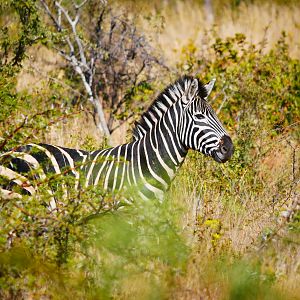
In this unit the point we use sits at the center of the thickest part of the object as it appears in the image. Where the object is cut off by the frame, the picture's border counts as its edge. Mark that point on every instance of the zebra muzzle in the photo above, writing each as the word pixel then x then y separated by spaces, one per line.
pixel 225 150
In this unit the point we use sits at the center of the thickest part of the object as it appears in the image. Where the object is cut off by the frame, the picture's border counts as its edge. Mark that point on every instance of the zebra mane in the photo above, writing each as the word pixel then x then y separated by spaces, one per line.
pixel 163 102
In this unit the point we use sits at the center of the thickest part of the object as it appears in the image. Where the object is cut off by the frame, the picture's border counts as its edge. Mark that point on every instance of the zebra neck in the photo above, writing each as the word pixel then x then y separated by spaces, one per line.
pixel 164 148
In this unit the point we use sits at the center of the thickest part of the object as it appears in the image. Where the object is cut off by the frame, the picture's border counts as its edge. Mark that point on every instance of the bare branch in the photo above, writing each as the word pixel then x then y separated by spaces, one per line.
pixel 57 22
pixel 78 6
pixel 73 24
pixel 65 12
pixel 59 15
pixel 222 104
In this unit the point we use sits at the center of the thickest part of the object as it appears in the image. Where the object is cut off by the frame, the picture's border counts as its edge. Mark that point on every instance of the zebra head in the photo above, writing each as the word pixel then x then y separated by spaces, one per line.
pixel 199 127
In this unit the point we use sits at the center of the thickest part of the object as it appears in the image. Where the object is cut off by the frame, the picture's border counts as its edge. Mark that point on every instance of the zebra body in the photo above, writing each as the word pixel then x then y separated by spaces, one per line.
pixel 178 120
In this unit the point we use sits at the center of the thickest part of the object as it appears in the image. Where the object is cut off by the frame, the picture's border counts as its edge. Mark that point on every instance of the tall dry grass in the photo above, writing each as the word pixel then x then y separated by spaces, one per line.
pixel 248 228
pixel 177 22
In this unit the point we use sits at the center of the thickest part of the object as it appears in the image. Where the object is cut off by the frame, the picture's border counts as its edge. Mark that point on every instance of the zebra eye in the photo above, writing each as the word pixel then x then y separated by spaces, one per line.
pixel 199 116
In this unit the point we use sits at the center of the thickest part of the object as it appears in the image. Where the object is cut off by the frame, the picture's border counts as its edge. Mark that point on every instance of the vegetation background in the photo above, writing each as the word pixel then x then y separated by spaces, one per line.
pixel 227 231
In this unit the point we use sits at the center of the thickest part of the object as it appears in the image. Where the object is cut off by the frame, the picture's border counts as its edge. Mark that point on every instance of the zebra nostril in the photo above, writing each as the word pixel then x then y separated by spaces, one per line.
pixel 226 146
pixel 224 149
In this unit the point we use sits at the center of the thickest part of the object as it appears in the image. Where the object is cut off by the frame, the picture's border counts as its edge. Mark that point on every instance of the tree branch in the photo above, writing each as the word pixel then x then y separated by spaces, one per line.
pixel 56 22
pixel 110 60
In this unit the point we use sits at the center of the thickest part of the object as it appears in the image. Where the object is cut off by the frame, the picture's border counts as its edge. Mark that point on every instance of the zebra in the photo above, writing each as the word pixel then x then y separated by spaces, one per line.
pixel 179 119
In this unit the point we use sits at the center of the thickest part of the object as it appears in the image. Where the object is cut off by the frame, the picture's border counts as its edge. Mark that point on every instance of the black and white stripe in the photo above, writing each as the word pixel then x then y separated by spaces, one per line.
pixel 178 120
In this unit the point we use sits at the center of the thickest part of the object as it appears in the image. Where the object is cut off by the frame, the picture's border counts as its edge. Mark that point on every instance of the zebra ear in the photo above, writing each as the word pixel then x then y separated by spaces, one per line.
pixel 209 86
pixel 193 89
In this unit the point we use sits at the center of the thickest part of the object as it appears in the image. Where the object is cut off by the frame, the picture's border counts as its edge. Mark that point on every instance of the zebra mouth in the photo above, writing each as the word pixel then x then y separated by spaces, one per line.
pixel 219 157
